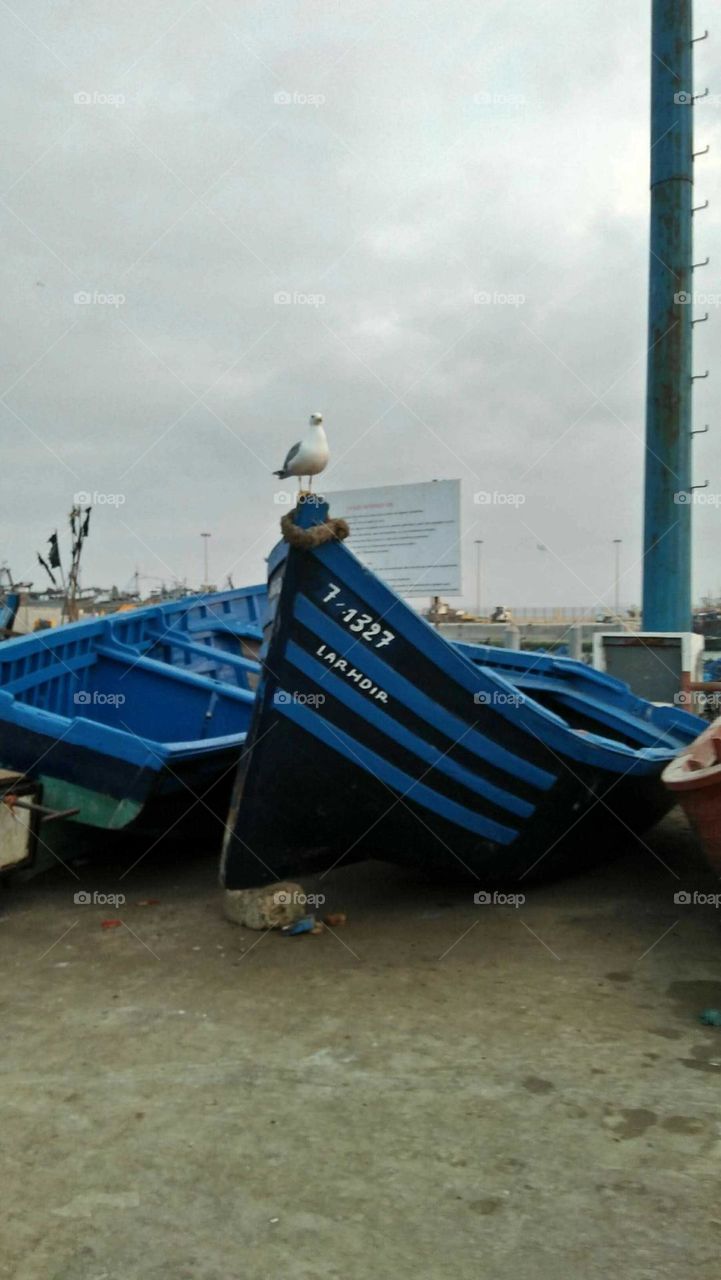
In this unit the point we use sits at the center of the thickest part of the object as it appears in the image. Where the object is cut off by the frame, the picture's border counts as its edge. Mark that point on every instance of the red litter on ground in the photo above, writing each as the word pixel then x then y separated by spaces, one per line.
pixel 110 924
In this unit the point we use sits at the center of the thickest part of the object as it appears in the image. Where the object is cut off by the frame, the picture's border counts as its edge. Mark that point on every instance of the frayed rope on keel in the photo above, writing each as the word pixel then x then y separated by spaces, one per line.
pixel 306 539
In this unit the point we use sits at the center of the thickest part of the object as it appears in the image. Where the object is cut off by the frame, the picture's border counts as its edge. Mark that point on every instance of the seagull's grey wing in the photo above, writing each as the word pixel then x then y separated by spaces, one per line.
pixel 291 454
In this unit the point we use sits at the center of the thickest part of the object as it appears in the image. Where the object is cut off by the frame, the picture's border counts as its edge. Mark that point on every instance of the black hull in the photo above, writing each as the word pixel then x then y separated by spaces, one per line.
pixel 303 826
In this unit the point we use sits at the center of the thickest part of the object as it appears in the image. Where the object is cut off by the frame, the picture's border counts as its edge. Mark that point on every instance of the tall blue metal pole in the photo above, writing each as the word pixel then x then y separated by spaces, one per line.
pixel 667 520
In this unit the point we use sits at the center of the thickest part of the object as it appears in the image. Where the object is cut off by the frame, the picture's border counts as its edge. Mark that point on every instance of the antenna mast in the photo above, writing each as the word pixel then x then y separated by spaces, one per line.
pixel 669 488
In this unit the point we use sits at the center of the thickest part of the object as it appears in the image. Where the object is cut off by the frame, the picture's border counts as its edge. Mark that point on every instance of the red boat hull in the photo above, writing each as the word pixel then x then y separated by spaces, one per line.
pixel 694 778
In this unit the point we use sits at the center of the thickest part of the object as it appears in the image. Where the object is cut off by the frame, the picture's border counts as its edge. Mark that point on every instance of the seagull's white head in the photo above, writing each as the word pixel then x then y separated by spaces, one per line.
pixel 316 419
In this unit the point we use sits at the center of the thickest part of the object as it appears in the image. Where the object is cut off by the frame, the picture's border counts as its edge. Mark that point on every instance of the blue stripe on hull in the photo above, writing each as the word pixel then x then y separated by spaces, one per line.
pixel 397 732
pixel 394 778
pixel 454 728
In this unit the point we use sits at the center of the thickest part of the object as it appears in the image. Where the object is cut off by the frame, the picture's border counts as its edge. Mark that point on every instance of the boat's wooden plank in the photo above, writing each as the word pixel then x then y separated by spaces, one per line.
pixel 177 674
pixel 397 733
pixel 446 721
pixel 205 650
pixel 62 666
pixel 409 788
pixel 645 731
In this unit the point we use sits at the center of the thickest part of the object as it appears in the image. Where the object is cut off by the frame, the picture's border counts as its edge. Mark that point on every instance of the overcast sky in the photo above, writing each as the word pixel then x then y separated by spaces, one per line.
pixel 384 164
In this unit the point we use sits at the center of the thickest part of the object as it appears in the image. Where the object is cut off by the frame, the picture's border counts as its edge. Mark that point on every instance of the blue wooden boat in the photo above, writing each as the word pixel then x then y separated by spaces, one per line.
pixel 373 737
pixel 137 720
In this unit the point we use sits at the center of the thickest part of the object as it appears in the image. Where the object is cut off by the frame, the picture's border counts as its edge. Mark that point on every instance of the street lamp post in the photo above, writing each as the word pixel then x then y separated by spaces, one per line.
pixel 205 537
pixel 479 544
pixel 616 603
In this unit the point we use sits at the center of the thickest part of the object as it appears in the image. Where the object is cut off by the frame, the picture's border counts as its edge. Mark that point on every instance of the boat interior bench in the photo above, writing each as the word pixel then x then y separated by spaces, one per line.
pixel 216 663
pixel 152 704
pixel 142 697
pixel 581 710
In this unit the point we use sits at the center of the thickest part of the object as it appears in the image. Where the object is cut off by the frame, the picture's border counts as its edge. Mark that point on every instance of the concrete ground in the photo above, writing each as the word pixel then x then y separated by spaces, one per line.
pixel 439 1089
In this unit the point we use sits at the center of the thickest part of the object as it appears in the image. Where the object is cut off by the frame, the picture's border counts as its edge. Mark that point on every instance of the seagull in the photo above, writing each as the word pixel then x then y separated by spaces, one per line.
pixel 309 456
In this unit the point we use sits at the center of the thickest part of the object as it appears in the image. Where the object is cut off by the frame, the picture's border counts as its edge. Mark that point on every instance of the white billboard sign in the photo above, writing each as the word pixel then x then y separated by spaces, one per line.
pixel 409 534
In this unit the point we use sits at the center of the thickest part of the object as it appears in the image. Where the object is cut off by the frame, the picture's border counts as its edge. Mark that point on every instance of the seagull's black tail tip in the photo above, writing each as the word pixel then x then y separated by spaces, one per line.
pixel 280 474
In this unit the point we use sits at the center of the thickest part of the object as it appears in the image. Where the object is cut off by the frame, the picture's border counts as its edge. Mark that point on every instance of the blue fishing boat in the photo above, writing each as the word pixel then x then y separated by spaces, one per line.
pixel 136 721
pixel 373 737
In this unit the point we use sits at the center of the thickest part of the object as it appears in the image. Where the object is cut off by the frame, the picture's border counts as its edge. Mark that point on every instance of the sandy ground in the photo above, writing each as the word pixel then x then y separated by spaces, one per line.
pixel 439 1089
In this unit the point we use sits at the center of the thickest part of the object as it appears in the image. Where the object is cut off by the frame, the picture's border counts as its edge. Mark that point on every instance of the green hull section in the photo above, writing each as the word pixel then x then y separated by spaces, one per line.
pixel 96 808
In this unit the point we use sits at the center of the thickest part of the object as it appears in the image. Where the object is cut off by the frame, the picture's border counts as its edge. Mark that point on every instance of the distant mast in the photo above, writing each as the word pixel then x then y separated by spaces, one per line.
pixel 667 521
pixel 79 529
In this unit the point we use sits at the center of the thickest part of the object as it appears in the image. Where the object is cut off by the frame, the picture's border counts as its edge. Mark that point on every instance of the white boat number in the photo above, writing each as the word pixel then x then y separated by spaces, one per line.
pixel 360 623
